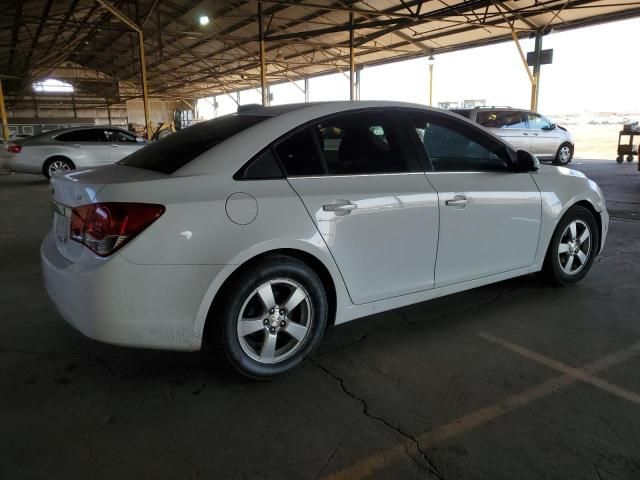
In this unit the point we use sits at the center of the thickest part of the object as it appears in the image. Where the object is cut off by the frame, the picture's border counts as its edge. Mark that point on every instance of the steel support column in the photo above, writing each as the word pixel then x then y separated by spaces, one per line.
pixel 535 83
pixel 431 84
pixel 263 63
pixel 352 61
pixel 143 67
pixel 3 114
pixel 306 89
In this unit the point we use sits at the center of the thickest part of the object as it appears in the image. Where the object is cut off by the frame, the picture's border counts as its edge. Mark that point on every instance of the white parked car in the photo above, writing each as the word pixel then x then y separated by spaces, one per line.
pixel 70 148
pixel 255 231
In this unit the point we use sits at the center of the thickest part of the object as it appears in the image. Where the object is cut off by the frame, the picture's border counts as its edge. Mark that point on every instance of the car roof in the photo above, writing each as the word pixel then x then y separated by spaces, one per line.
pixel 235 151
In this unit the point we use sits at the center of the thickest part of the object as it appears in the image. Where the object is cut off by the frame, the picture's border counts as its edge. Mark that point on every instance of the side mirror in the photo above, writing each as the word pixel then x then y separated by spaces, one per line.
pixel 526 162
pixel 551 126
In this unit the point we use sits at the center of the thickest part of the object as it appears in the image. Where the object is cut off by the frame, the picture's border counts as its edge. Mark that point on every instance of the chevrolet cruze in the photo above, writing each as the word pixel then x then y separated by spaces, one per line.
pixel 255 231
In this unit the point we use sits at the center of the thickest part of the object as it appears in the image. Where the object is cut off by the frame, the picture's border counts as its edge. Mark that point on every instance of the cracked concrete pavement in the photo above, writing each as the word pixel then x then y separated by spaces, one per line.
pixel 71 407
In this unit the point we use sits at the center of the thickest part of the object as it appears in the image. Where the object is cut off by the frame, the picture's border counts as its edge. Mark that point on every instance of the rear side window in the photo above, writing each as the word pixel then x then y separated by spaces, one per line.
pixel 89 135
pixel 263 167
pixel 299 155
pixel 501 119
pixel 175 151
pixel 361 143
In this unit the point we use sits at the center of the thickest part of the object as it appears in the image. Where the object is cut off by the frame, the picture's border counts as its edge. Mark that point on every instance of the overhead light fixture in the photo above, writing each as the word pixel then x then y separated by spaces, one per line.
pixel 204 20
pixel 431 60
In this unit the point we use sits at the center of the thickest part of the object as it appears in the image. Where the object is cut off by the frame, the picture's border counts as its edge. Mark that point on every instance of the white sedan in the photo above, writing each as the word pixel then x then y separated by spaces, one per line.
pixel 255 231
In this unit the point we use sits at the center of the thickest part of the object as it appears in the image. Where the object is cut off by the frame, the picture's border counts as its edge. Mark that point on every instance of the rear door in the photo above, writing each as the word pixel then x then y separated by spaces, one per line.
pixel 369 199
pixel 87 147
pixel 490 216
pixel 121 144
pixel 510 125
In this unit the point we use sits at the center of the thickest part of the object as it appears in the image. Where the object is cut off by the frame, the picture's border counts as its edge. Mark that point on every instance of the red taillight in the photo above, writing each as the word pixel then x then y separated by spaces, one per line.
pixel 13 148
pixel 105 227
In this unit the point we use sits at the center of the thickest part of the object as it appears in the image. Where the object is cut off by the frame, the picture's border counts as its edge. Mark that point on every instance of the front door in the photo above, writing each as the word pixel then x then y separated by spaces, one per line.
pixel 510 125
pixel 121 144
pixel 369 199
pixel 489 215
pixel 545 140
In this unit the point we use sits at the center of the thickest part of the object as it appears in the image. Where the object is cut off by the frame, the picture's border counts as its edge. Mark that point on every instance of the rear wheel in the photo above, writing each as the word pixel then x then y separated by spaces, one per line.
pixel 573 247
pixel 272 317
pixel 57 164
pixel 619 159
pixel 564 154
pixel 629 158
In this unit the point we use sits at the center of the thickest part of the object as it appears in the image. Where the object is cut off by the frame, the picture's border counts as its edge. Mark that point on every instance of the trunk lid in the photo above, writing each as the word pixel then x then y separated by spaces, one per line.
pixel 81 187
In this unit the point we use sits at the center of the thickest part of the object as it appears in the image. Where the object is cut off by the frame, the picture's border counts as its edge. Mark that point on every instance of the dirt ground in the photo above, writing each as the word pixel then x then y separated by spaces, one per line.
pixel 596 141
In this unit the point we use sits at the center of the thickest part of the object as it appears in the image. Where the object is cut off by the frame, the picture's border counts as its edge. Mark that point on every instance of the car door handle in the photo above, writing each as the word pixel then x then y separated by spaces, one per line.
pixel 536 134
pixel 340 207
pixel 77 145
pixel 114 146
pixel 459 201
pixel 525 133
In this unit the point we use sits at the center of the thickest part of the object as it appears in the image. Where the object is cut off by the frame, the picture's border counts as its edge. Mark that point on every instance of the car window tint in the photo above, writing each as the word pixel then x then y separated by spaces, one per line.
pixel 538 122
pixel 178 149
pixel 501 119
pixel 119 136
pixel 452 146
pixel 88 135
pixel 264 166
pixel 360 143
pixel 299 155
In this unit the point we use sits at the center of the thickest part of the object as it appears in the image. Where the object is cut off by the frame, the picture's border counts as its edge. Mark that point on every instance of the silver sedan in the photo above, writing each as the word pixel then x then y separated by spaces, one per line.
pixel 255 231
pixel 70 148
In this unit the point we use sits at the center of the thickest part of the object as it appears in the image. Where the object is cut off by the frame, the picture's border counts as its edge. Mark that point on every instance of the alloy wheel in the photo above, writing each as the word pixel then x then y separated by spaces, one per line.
pixel 58 166
pixel 564 154
pixel 275 321
pixel 575 247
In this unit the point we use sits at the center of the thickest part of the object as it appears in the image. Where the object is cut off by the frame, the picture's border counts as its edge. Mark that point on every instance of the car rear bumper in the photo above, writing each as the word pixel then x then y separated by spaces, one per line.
pixel 22 164
pixel 118 302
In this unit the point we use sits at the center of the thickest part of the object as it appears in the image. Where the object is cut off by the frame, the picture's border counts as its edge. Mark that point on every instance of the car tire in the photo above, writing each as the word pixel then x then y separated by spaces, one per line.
pixel 571 251
pixel 287 304
pixel 57 164
pixel 564 154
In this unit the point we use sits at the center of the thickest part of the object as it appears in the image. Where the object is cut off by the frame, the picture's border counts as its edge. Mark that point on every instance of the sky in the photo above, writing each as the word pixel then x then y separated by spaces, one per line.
pixel 594 69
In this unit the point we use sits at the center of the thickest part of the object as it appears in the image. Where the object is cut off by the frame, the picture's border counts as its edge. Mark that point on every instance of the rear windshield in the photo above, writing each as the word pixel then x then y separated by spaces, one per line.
pixel 176 150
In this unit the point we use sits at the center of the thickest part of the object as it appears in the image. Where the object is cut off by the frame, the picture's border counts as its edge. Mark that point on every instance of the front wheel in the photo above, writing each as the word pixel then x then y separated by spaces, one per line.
pixel 273 316
pixel 564 154
pixel 629 158
pixel 573 247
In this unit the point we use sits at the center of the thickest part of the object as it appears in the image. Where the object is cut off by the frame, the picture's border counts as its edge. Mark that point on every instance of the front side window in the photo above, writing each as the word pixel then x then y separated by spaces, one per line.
pixel 360 143
pixel 538 122
pixel 501 119
pixel 452 146
pixel 118 136
pixel 88 135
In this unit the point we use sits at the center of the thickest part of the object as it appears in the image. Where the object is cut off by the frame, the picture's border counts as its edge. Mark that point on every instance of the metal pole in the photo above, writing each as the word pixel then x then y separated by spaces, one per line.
pixel 535 84
pixel 358 72
pixel 3 113
pixel 263 65
pixel 352 61
pixel 306 89
pixel 431 84
pixel 145 93
pixel 143 67
pixel 109 113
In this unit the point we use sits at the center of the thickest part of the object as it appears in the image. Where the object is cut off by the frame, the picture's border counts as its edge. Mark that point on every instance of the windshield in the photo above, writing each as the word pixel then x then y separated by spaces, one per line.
pixel 175 151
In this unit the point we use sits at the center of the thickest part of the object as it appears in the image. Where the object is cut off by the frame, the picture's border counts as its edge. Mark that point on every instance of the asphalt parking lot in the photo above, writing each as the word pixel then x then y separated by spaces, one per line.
pixel 514 380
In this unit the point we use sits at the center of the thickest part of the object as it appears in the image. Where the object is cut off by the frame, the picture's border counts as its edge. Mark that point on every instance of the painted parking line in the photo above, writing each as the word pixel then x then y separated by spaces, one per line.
pixel 577 373
pixel 384 458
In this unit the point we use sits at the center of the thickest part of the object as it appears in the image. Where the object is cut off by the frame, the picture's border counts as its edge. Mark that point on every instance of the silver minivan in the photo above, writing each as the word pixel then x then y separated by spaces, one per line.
pixel 70 148
pixel 525 130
